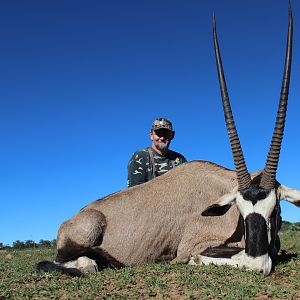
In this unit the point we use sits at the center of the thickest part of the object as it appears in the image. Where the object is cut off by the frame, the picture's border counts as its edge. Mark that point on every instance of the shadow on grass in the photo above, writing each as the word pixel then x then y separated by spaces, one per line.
pixel 283 257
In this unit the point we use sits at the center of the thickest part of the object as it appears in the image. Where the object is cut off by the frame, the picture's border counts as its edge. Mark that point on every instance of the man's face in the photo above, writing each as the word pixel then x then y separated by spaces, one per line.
pixel 161 138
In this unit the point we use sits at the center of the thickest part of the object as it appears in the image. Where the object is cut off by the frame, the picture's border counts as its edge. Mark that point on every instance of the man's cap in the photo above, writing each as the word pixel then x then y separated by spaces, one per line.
pixel 162 123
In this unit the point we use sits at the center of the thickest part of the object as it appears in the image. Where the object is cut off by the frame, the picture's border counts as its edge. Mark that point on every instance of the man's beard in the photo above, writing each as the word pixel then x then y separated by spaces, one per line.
pixel 162 146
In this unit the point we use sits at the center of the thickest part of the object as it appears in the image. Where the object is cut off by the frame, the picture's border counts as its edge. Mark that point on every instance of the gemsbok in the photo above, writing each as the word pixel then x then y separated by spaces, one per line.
pixel 198 213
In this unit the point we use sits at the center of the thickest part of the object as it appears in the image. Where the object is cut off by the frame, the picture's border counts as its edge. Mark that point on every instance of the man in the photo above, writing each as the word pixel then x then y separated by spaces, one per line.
pixel 156 160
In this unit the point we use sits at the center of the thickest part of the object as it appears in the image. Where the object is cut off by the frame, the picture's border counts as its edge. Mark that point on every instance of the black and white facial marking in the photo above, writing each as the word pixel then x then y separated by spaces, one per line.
pixel 257 205
pixel 276 222
pixel 256 231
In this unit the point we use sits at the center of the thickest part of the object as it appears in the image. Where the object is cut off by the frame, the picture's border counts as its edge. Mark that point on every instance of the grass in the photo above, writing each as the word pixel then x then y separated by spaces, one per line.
pixel 19 280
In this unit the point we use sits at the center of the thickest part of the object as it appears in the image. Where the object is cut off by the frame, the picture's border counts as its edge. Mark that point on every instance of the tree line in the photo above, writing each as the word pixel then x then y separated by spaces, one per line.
pixel 29 244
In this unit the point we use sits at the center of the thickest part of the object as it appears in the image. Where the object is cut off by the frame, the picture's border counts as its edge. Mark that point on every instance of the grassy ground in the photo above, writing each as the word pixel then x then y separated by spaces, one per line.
pixel 19 280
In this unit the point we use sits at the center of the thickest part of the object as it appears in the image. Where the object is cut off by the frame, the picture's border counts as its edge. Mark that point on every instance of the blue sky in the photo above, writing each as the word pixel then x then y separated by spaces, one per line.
pixel 81 82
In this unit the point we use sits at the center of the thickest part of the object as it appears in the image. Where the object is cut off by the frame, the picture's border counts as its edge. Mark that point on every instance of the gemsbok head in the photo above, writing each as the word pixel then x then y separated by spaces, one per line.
pixel 257 199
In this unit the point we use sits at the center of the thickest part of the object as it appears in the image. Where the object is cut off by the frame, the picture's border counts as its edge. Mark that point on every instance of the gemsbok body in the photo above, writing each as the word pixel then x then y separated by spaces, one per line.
pixel 197 213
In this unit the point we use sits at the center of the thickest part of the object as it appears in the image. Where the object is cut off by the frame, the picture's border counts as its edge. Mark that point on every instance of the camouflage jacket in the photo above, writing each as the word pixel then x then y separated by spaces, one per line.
pixel 140 168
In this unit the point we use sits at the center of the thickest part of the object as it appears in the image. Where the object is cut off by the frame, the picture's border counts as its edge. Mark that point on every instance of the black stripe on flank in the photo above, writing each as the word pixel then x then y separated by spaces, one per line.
pixel 256 235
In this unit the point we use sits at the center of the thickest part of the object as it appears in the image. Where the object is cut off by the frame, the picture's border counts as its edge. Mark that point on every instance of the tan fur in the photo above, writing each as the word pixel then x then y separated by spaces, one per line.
pixel 158 220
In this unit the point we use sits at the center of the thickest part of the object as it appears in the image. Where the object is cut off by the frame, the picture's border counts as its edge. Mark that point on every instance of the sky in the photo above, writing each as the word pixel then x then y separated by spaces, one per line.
pixel 82 81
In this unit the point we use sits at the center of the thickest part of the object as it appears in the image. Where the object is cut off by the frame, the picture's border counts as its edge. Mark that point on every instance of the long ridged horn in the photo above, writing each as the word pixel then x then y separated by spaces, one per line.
pixel 269 173
pixel 243 175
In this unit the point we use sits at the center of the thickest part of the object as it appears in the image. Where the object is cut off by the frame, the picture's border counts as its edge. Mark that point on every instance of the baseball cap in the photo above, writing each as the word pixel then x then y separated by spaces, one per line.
pixel 162 123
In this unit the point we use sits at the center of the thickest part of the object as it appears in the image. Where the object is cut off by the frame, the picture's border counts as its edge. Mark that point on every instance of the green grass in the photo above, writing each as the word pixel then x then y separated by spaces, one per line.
pixel 19 280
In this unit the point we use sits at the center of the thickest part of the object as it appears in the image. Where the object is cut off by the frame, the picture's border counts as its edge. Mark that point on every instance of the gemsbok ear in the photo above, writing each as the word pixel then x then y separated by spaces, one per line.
pixel 215 210
pixel 291 195
pixel 222 205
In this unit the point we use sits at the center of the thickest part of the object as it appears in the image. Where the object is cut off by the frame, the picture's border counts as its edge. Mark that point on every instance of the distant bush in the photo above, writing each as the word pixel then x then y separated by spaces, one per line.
pixel 288 226
pixel 29 244
pixel 47 244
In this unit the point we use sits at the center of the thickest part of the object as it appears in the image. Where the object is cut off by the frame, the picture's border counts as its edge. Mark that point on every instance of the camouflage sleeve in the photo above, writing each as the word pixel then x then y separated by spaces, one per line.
pixel 183 159
pixel 136 170
pixel 179 158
